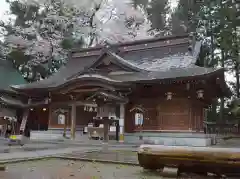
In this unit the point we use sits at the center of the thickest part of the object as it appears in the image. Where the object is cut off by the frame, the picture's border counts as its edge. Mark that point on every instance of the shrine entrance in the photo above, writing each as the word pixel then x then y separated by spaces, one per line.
pixel 107 103
pixel 113 124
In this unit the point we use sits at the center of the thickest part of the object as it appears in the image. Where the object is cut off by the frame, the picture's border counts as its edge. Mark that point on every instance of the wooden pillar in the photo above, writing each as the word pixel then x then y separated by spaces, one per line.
pixel 117 130
pixel 49 115
pixel 73 119
pixel 106 129
pixel 121 122
pixel 65 125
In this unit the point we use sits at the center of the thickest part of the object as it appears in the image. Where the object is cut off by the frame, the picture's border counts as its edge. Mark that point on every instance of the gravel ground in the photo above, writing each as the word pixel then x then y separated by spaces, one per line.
pixel 123 156
pixel 65 169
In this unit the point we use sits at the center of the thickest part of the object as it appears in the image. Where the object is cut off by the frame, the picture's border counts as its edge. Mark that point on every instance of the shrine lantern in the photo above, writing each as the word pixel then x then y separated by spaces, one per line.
pixel 200 94
pixel 169 95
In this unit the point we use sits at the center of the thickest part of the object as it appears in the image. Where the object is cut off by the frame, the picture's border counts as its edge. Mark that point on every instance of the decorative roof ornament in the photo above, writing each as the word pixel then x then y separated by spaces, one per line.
pixel 61 111
pixel 138 108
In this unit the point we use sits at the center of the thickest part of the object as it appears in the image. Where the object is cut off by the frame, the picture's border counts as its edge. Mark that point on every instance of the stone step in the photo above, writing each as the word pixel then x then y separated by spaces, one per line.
pixel 51 135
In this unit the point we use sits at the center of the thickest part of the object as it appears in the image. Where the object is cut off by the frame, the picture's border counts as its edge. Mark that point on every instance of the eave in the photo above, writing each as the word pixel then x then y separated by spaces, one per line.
pixel 8 101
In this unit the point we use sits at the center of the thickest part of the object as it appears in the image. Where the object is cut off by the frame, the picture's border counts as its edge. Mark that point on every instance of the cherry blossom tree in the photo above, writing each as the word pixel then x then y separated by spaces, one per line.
pixel 58 25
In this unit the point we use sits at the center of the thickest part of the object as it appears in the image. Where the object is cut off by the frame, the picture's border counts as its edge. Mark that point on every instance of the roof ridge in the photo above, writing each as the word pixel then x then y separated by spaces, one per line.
pixel 135 42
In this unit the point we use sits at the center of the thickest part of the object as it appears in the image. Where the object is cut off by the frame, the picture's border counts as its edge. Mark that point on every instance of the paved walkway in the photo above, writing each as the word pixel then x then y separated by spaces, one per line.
pixel 113 156
pixel 42 153
pixel 96 143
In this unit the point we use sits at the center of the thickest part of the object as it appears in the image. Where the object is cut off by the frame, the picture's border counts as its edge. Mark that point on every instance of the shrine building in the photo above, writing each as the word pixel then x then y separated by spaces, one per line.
pixel 155 89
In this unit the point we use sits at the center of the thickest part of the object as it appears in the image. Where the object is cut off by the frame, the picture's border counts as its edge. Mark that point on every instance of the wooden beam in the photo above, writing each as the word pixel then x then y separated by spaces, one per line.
pixel 86 90
pixel 89 84
pixel 70 103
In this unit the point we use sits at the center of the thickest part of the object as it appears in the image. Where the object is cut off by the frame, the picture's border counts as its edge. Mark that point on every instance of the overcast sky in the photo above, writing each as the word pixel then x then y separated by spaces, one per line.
pixel 3 8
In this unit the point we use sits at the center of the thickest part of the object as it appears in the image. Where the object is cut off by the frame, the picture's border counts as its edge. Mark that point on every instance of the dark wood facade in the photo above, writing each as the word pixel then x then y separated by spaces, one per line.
pixel 160 75
pixel 178 114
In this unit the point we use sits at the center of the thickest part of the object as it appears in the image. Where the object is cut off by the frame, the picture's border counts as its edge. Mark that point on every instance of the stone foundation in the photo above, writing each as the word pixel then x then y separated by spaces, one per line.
pixel 53 134
pixel 171 139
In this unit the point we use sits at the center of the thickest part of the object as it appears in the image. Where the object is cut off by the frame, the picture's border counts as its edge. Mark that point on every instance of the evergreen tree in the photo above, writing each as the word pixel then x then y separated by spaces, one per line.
pixel 157 13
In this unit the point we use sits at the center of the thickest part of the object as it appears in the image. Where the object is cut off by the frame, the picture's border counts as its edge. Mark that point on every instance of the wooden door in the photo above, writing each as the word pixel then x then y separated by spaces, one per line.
pixel 174 115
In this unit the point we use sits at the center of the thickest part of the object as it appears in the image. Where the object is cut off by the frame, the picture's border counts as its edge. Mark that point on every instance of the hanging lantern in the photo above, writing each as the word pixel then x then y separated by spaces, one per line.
pixel 90 109
pixel 169 95
pixel 85 108
pixel 200 94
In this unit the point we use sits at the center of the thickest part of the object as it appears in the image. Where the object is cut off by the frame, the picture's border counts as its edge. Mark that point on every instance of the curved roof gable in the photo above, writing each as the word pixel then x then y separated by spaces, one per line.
pixel 117 60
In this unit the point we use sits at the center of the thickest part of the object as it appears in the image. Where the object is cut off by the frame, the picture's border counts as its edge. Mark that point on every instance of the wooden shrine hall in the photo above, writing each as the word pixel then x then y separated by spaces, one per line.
pixel 154 88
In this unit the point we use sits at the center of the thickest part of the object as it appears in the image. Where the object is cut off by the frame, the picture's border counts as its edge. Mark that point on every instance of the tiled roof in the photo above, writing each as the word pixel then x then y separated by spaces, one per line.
pixel 71 68
pixel 12 101
pixel 153 59
pixel 193 71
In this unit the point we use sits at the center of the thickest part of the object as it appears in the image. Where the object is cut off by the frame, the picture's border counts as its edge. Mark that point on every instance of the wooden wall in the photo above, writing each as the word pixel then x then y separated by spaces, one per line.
pixel 179 114
pixel 83 117
pixel 38 118
pixel 197 115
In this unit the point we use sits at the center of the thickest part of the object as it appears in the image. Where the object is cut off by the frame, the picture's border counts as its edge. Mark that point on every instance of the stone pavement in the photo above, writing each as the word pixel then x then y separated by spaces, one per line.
pixel 41 153
pixel 89 143
pixel 64 169
pixel 230 143
pixel 109 156
pixel 235 142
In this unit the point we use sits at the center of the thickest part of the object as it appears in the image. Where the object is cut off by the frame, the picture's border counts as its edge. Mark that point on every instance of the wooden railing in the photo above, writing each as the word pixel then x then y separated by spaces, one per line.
pixel 222 129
